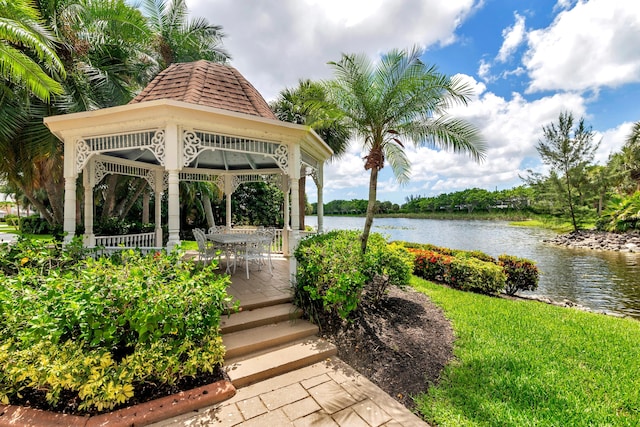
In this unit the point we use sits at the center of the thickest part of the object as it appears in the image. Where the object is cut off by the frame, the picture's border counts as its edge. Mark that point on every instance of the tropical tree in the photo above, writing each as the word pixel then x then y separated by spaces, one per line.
pixel 631 155
pixel 26 50
pixel 178 39
pixel 398 100
pixel 307 105
pixel 567 149
pixel 102 46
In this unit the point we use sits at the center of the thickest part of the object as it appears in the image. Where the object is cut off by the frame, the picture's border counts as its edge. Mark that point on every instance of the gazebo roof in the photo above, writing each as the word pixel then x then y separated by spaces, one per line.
pixel 208 84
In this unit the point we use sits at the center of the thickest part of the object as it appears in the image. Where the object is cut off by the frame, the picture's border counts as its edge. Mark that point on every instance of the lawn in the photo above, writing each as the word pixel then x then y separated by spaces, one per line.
pixel 521 363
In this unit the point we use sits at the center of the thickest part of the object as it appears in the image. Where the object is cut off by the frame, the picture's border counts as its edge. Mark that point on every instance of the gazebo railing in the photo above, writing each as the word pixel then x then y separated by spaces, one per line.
pixel 141 240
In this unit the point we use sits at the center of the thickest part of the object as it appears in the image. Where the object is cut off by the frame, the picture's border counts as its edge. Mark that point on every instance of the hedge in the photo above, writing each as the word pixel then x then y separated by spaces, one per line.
pixel 474 270
pixel 95 328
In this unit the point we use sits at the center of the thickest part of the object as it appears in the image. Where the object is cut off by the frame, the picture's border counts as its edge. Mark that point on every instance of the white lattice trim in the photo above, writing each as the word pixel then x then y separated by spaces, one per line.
pixel 152 140
pixel 194 142
pixel 102 169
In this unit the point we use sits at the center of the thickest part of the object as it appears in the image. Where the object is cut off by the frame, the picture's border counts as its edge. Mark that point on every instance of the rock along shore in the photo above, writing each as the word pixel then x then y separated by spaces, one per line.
pixel 600 240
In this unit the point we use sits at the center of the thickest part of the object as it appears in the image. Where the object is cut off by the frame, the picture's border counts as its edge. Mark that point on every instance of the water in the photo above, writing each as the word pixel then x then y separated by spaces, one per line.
pixel 603 281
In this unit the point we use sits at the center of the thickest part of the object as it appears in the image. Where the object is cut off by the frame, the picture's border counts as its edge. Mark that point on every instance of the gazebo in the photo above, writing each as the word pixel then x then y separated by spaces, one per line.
pixel 197 121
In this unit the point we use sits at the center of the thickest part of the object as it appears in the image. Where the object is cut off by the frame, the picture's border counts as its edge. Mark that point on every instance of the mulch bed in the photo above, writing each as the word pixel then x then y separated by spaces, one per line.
pixel 401 344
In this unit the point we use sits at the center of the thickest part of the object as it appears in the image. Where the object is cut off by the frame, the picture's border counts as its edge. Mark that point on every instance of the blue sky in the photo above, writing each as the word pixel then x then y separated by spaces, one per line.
pixel 527 59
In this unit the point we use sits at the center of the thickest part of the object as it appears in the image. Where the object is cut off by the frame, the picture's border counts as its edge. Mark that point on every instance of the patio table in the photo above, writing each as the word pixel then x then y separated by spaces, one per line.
pixel 230 241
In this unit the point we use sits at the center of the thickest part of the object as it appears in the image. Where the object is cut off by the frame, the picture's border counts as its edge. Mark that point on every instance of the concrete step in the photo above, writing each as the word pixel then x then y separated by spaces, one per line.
pixel 247 319
pixel 263 337
pixel 248 370
pixel 251 302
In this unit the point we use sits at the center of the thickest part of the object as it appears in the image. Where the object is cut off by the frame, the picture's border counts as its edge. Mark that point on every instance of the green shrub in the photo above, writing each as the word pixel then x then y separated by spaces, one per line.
pixel 12 220
pixel 522 274
pixel 475 275
pixel 621 214
pixel 40 256
pixel 34 225
pixel 101 326
pixel 333 276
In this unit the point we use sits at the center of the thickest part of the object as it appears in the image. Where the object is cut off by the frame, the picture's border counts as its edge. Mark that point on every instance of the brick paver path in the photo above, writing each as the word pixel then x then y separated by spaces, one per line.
pixel 329 393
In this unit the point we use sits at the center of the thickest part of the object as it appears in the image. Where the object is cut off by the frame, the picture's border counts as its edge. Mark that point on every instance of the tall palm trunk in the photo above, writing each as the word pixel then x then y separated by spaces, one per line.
pixel 208 211
pixel 371 207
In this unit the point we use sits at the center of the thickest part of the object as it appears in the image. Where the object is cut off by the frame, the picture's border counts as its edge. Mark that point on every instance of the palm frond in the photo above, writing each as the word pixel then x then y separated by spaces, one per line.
pixel 449 133
pixel 17 67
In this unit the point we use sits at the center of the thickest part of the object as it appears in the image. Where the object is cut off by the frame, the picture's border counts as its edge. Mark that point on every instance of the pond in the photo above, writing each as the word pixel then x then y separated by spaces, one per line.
pixel 603 281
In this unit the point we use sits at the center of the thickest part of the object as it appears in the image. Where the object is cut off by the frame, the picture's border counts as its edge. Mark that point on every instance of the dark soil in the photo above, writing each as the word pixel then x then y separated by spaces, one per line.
pixel 401 344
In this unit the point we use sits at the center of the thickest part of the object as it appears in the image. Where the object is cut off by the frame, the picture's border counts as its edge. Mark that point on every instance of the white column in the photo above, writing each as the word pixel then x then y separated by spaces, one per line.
pixel 87 181
pixel 69 208
pixel 159 175
pixel 70 177
pixel 174 209
pixel 173 165
pixel 320 209
pixel 294 184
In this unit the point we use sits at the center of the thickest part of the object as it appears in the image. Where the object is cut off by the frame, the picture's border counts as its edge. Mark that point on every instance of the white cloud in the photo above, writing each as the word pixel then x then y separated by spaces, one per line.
pixel 587 47
pixel 274 43
pixel 513 37
pixel 484 71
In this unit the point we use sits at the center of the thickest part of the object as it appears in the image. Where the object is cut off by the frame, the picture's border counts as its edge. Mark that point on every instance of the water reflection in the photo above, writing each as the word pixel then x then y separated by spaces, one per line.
pixel 608 281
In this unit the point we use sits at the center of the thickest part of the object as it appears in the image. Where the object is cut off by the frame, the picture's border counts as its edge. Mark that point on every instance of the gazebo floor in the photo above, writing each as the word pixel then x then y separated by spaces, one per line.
pixel 261 288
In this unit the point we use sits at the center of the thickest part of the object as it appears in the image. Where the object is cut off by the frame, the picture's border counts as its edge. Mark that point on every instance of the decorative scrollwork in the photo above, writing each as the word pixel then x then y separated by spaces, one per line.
pixel 165 182
pixel 219 182
pixel 83 152
pixel 192 146
pixel 157 146
pixel 314 174
pixel 151 179
pixel 281 155
pixel 99 172
pixel 235 183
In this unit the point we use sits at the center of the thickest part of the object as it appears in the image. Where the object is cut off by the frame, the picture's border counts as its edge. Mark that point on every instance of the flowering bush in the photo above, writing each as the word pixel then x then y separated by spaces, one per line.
pixel 431 265
pixel 522 274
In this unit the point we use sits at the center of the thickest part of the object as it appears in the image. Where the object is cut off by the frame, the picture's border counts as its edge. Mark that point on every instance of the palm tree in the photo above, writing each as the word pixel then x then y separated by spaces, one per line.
pixel 26 50
pixel 307 105
pixel 399 100
pixel 631 154
pixel 103 47
pixel 179 40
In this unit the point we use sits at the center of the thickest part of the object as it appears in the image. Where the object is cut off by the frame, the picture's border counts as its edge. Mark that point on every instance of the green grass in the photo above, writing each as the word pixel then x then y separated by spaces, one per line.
pixel 189 245
pixel 523 363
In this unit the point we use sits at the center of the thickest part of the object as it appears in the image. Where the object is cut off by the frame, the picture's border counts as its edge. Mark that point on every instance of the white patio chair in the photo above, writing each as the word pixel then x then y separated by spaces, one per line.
pixel 206 251
pixel 258 250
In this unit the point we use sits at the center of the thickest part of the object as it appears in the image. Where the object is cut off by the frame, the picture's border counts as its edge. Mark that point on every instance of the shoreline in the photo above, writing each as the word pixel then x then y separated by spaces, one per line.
pixel 599 240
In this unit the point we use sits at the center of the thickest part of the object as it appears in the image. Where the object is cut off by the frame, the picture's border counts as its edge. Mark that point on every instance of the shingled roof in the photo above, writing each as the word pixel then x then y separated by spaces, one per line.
pixel 209 84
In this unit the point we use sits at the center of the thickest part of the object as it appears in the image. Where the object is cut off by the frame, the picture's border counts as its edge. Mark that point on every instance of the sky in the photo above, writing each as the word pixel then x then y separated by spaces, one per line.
pixel 528 60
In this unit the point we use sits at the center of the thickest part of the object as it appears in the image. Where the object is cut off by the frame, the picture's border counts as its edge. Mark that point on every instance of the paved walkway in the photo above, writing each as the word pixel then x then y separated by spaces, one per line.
pixel 8 237
pixel 330 393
